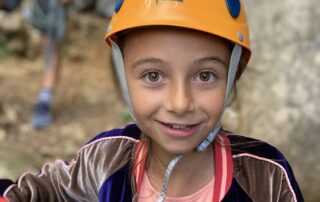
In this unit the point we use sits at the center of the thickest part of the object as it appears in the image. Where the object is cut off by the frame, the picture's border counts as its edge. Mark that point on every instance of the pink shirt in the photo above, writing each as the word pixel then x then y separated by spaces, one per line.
pixel 149 194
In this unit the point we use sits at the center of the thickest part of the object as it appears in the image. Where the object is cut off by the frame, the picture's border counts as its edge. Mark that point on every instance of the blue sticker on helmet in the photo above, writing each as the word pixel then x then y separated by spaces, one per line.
pixel 234 7
pixel 118 5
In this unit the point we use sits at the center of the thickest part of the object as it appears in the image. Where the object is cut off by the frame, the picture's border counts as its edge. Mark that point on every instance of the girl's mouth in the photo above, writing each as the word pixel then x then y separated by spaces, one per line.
pixel 179 127
pixel 178 130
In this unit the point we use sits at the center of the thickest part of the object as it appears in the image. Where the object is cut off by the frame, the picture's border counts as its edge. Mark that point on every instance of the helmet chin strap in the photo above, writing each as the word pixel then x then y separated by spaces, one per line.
pixel 233 66
pixel 119 66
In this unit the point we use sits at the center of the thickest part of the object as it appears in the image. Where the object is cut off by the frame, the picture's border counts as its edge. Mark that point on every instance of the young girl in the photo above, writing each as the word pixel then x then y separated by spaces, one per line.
pixel 177 62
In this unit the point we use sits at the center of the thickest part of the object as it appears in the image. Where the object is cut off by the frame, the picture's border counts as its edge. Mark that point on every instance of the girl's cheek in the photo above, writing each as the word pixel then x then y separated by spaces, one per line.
pixel 146 102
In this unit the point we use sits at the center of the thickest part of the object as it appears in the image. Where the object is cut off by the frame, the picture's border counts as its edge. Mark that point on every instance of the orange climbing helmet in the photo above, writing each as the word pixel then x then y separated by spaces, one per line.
pixel 224 18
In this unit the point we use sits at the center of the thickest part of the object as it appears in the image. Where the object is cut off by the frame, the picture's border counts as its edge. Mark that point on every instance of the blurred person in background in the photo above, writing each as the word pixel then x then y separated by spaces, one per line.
pixel 48 16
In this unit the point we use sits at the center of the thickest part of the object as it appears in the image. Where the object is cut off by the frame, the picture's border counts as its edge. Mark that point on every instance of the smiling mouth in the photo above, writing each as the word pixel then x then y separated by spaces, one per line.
pixel 177 130
pixel 178 126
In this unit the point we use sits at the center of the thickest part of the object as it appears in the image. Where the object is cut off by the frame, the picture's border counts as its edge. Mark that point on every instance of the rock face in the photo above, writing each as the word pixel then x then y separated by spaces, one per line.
pixel 16 36
pixel 279 94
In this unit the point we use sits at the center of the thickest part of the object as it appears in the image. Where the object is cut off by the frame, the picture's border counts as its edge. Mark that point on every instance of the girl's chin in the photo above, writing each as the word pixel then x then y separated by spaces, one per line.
pixel 173 150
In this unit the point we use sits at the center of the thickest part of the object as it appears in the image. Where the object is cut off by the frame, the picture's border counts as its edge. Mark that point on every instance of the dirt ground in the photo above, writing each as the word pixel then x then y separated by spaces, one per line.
pixel 86 102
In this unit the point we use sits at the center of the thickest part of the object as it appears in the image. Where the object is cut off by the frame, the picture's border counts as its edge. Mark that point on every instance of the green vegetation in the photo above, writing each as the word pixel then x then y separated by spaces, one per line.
pixel 125 118
pixel 4 52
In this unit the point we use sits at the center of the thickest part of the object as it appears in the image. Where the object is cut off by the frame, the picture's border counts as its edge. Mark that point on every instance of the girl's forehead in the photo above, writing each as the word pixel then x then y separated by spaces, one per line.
pixel 155 40
pixel 167 33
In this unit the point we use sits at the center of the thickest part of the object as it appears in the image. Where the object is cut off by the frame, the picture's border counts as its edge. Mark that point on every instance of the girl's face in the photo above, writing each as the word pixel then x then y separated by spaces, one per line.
pixel 177 83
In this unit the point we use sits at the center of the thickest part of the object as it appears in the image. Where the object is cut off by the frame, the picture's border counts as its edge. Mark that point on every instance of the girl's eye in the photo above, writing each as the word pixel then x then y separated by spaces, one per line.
pixel 206 76
pixel 152 77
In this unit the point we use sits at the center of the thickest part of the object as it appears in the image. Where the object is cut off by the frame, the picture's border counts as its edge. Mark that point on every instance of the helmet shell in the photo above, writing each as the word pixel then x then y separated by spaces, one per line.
pixel 216 17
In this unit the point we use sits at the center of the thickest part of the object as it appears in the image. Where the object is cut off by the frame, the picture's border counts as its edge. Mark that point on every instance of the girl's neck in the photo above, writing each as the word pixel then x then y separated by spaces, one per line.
pixel 195 170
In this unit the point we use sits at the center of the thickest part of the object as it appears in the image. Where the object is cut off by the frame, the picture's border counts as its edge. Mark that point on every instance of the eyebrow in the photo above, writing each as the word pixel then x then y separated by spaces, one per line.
pixel 153 60
pixel 212 59
pixel 147 60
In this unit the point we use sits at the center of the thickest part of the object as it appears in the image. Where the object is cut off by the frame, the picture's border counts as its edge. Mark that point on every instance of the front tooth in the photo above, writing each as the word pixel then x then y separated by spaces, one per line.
pixel 180 127
pixel 175 126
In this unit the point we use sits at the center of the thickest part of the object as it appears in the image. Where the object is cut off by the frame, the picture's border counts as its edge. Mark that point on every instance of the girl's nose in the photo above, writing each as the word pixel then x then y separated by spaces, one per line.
pixel 180 100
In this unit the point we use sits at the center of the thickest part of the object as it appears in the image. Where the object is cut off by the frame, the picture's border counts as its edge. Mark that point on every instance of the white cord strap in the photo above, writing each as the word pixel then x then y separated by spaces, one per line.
pixel 167 174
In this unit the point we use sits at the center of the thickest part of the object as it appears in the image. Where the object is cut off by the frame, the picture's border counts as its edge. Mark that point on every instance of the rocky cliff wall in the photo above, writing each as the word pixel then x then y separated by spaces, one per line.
pixel 279 94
